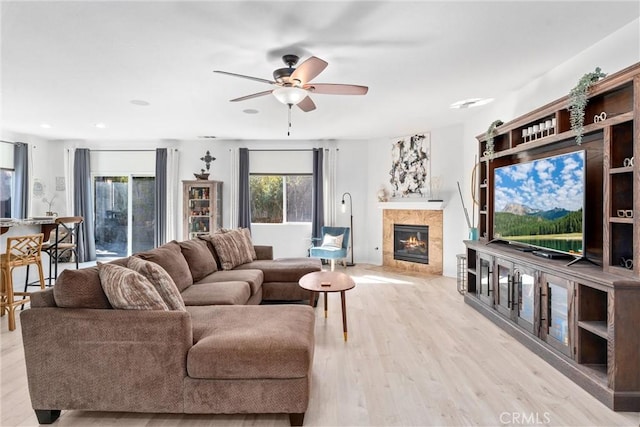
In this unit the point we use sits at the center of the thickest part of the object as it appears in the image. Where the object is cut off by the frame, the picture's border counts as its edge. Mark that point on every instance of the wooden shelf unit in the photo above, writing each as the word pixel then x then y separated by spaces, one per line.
pixel 586 318
pixel 202 207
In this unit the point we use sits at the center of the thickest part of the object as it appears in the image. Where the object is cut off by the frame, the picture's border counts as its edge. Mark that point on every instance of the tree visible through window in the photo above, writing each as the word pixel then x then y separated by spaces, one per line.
pixel 280 198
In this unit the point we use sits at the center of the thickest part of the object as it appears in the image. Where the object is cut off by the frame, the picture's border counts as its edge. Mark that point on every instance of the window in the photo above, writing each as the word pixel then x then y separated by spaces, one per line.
pixel 6 189
pixel 279 199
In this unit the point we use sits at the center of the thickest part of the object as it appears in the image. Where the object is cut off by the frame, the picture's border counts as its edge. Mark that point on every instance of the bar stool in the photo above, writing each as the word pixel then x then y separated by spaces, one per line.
pixel 21 251
pixel 65 240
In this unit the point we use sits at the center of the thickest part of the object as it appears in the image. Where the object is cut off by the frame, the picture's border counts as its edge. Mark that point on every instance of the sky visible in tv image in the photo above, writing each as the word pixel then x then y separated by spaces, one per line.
pixel 545 184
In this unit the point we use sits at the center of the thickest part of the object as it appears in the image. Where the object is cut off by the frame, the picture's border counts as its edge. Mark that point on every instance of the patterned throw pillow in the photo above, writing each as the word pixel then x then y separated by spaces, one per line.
pixel 161 280
pixel 129 290
pixel 332 241
pixel 231 249
pixel 249 243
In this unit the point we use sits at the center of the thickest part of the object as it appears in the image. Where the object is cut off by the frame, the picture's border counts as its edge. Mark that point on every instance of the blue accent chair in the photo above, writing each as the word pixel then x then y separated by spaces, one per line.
pixel 329 252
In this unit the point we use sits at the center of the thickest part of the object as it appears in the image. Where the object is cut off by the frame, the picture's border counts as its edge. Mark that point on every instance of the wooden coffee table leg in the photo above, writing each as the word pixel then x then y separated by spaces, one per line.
pixel 312 298
pixel 325 305
pixel 344 314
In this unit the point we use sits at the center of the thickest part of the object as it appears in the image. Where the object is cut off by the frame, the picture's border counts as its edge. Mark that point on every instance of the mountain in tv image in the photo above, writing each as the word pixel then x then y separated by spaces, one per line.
pixel 540 203
pixel 523 221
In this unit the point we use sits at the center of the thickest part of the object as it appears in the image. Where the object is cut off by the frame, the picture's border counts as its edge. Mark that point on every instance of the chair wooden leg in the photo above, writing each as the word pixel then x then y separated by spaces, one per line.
pixel 8 294
pixel 333 264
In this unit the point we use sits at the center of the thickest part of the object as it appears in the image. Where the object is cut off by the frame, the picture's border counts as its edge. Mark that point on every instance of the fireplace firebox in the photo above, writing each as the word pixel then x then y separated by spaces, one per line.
pixel 411 243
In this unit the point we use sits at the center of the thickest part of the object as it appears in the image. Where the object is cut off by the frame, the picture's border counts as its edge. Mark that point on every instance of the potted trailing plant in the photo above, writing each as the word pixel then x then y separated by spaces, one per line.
pixel 490 135
pixel 578 101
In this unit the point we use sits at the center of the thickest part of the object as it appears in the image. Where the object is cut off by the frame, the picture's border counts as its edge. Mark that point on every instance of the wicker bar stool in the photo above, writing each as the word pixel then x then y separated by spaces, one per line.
pixel 22 251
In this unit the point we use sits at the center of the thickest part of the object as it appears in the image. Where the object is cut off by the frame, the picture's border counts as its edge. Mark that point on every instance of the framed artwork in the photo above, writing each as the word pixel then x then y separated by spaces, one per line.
pixel 410 172
pixel 60 183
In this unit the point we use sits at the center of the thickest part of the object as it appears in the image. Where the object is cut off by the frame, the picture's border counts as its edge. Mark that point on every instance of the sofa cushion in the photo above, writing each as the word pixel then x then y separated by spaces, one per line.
pixel 129 290
pixel 251 342
pixel 283 269
pixel 221 293
pixel 253 277
pixel 160 279
pixel 80 289
pixel 199 258
pixel 169 256
pixel 231 248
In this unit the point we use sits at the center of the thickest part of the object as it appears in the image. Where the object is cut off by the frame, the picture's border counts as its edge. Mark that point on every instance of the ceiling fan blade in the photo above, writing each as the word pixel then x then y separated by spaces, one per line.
pixel 253 95
pixel 308 70
pixel 306 105
pixel 336 89
pixel 257 79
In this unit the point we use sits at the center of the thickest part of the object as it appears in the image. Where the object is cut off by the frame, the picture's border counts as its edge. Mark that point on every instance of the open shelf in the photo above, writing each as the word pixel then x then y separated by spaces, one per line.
pixel 597 327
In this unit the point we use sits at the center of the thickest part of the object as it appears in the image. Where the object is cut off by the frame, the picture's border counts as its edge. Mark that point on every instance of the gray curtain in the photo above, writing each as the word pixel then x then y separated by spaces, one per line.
pixel 244 195
pixel 83 204
pixel 20 205
pixel 161 197
pixel 317 196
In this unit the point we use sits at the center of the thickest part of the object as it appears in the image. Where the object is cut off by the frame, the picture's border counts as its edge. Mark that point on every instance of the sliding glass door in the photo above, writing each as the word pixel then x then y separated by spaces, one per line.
pixel 124 213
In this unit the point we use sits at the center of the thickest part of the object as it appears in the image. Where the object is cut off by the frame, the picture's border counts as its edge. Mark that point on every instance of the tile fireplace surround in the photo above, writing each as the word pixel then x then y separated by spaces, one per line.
pixel 411 216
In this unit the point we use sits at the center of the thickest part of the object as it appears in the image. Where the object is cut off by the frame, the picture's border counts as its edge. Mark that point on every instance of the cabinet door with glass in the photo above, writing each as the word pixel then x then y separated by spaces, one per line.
pixel 526 293
pixel 504 288
pixel 485 279
pixel 202 207
pixel 557 313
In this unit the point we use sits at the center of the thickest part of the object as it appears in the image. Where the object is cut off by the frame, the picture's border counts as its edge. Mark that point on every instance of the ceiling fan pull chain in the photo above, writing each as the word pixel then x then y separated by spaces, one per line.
pixel 289 117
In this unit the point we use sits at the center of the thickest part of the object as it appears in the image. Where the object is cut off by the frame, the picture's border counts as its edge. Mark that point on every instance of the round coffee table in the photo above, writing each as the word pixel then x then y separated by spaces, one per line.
pixel 328 281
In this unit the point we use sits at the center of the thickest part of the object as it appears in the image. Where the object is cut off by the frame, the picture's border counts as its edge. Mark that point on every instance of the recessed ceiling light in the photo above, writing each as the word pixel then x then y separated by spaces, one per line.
pixel 250 111
pixel 100 125
pixel 45 125
pixel 471 102
pixel 206 137
pixel 139 102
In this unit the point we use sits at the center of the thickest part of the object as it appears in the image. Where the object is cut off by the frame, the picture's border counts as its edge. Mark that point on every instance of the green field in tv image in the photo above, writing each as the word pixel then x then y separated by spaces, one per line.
pixel 540 203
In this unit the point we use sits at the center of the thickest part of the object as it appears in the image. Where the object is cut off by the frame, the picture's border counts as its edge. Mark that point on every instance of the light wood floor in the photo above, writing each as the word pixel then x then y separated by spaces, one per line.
pixel 416 356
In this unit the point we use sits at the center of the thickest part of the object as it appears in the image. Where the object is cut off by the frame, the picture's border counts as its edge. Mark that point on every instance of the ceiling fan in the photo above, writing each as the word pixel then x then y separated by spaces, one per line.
pixel 293 85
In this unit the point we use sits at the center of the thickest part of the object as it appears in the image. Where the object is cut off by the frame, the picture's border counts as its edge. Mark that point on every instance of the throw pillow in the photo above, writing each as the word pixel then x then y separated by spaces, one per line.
pixel 246 233
pixel 129 290
pixel 161 280
pixel 231 249
pixel 80 289
pixel 199 257
pixel 332 241
pixel 169 256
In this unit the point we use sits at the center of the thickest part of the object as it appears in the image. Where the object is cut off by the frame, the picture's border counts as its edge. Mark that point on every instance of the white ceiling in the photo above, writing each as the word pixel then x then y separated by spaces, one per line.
pixel 75 64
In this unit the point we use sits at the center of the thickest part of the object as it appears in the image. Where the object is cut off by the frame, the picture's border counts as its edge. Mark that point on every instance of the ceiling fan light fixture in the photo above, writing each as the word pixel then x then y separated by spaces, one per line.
pixel 289 95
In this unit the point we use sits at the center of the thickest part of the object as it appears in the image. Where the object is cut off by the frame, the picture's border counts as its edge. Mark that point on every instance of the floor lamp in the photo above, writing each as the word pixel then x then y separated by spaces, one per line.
pixel 344 209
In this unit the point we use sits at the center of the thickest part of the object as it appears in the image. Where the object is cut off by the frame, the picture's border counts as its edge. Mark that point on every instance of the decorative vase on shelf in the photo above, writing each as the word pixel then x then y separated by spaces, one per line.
pixel 202 175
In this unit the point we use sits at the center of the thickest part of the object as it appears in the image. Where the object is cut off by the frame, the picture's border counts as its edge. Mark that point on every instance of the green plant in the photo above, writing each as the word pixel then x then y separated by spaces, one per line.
pixel 578 101
pixel 490 135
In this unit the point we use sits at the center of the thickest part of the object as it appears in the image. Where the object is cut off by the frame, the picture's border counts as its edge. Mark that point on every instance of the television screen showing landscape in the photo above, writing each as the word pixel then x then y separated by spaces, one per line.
pixel 540 203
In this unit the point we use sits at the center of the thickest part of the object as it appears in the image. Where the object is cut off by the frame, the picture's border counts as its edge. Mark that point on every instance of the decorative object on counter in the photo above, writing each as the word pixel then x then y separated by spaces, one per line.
pixel 600 117
pixel 578 101
pixel 625 213
pixel 627 162
pixel 473 231
pixel 410 171
pixel 491 133
pixel 434 192
pixel 383 196
pixel 626 263
pixel 207 159
pixel 50 204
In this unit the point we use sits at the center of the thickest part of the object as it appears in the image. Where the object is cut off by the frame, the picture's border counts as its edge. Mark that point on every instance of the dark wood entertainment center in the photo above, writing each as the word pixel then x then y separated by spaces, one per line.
pixel 584 318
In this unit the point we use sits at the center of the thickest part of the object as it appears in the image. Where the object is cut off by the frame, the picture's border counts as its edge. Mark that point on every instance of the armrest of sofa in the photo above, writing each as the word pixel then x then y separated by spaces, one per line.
pixel 264 252
pixel 105 359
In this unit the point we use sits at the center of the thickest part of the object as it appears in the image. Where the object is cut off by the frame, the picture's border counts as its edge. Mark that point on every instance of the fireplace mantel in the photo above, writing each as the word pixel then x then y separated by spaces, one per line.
pixel 422 205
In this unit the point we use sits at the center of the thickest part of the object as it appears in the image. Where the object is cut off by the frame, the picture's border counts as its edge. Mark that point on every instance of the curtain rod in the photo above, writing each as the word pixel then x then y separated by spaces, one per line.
pixel 10 142
pixel 128 151
pixel 285 149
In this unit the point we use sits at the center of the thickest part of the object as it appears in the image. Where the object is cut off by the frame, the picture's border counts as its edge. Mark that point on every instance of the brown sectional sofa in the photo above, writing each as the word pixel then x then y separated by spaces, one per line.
pixel 224 354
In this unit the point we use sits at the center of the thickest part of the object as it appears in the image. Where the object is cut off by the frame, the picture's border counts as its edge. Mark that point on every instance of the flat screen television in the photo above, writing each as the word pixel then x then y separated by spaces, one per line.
pixel 540 203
